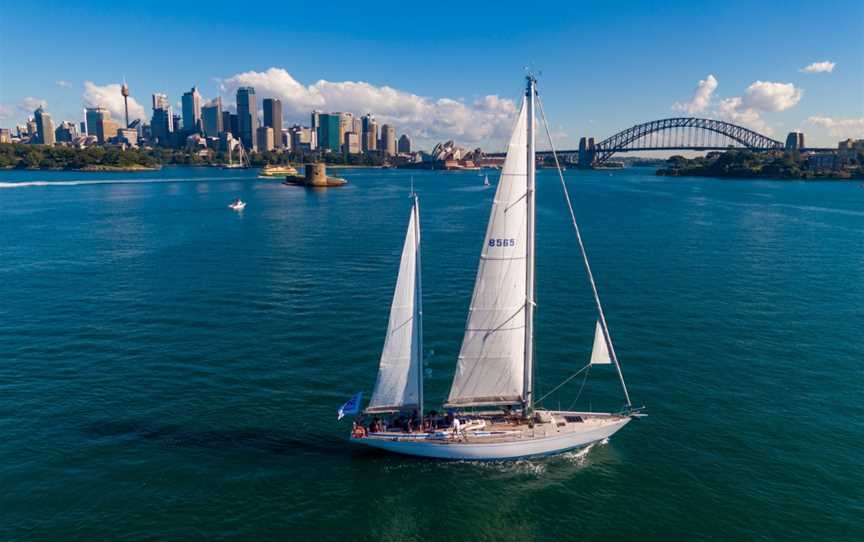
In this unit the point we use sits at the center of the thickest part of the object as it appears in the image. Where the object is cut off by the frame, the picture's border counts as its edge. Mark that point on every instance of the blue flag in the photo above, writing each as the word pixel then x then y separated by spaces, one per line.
pixel 352 406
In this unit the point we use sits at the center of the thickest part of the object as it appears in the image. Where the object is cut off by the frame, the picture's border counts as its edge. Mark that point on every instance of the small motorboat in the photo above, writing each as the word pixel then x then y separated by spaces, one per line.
pixel 238 205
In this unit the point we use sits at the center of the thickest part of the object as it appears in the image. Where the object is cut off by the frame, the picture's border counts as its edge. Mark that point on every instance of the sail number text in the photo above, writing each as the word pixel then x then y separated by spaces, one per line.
pixel 502 242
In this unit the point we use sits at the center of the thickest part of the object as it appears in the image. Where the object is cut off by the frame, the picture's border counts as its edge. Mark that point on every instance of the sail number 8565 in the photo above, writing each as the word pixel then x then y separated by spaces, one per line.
pixel 502 242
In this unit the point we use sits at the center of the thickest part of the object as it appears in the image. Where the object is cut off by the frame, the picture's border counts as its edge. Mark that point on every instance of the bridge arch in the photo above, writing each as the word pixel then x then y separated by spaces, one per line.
pixel 678 133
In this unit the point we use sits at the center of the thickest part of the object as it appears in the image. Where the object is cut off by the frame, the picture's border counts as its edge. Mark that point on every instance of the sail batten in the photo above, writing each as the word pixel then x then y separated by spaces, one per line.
pixel 490 366
pixel 399 383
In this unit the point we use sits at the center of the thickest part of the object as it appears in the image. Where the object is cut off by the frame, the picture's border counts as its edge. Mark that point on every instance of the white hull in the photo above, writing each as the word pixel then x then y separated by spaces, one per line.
pixel 473 448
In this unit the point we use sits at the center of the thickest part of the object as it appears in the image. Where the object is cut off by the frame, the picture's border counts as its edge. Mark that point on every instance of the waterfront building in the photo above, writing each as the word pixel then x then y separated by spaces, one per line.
pixel 352 143
pixel 44 127
pixel 369 129
pixel 82 127
pixel 66 132
pixel 247 116
pixel 273 119
pixel 5 135
pixel 127 137
pixel 404 144
pixel 211 117
pixel 387 144
pixel 328 132
pixel 31 129
pixel 191 111
pixel 264 139
pixel 823 161
pixel 301 138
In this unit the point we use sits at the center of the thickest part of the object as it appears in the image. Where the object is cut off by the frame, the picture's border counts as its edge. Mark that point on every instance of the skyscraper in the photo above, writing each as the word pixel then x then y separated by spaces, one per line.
pixel 328 132
pixel 247 116
pixel 211 115
pixel 273 119
pixel 370 133
pixel 315 128
pixel 351 144
pixel 265 138
pixel 388 139
pixel 404 144
pixel 44 127
pixel 346 124
pixel 192 111
pixel 66 132
pixel 162 122
pixel 99 123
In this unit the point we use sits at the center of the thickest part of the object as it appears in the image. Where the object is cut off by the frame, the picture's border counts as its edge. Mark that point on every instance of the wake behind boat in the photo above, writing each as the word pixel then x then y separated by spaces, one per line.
pixel 491 412
pixel 237 205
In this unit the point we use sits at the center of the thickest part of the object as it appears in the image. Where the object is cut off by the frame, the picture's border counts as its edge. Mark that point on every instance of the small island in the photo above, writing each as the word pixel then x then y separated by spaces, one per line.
pixel 745 164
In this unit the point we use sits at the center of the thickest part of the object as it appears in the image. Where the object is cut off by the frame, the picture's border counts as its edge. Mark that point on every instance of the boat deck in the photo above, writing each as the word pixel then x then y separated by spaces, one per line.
pixel 497 429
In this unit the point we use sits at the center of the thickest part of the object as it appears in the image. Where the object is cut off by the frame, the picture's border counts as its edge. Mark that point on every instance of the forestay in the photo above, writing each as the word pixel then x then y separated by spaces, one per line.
pixel 398 384
pixel 490 369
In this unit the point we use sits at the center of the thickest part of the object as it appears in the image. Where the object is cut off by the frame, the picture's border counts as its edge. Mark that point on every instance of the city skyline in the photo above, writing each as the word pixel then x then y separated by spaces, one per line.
pixel 803 77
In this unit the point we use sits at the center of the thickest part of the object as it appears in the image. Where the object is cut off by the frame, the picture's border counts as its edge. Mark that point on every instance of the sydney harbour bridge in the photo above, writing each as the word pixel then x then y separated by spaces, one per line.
pixel 680 133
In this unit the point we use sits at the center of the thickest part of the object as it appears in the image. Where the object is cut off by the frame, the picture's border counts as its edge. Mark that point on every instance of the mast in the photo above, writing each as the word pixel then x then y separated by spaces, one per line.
pixel 419 299
pixel 528 392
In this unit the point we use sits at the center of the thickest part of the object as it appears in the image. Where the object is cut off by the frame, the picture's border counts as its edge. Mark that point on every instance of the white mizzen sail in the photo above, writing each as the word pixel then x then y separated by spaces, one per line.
pixel 600 352
pixel 491 362
pixel 399 385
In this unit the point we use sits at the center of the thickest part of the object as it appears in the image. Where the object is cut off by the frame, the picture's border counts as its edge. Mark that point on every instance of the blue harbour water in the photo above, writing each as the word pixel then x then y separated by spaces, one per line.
pixel 171 369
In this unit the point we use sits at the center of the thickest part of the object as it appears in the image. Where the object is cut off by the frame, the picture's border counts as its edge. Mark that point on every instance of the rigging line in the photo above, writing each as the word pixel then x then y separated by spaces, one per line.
pixel 602 316
pixel 579 393
pixel 569 378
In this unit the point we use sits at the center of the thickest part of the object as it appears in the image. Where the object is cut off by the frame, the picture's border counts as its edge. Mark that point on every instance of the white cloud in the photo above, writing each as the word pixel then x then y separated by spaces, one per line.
pixel 701 96
pixel 62 83
pixel 109 97
pixel 735 111
pixel 848 127
pixel 486 119
pixel 30 104
pixel 819 67
pixel 768 96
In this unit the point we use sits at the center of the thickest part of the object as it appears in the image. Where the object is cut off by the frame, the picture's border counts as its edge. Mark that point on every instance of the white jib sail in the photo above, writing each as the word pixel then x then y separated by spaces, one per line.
pixel 600 352
pixel 490 369
pixel 398 385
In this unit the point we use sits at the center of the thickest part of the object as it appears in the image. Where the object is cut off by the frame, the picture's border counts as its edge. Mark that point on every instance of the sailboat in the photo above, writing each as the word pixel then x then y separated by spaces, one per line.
pixel 491 409
pixel 486 180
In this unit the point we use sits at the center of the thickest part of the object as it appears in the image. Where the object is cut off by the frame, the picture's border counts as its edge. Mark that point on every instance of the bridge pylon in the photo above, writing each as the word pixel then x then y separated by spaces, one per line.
pixel 587 153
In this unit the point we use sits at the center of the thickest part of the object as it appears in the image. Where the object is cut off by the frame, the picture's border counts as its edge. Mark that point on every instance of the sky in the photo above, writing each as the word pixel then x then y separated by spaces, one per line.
pixel 443 70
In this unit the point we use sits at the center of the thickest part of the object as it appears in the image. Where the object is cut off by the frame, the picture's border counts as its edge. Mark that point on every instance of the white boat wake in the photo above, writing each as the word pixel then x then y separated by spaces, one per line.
pixel 26 184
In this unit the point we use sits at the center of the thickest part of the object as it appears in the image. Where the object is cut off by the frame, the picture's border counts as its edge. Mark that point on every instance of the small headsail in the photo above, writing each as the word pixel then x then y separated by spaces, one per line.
pixel 600 353
pixel 398 384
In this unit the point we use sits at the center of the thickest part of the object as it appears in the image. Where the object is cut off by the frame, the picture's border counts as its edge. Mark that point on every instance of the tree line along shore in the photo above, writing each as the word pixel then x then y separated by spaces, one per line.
pixel 45 157
pixel 745 164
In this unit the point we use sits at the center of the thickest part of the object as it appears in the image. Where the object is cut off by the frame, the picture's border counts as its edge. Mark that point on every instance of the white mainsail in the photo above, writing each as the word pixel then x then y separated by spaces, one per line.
pixel 399 385
pixel 600 352
pixel 491 364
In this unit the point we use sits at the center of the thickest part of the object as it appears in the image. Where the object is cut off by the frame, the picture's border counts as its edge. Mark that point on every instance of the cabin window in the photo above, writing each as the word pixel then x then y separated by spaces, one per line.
pixel 573 419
